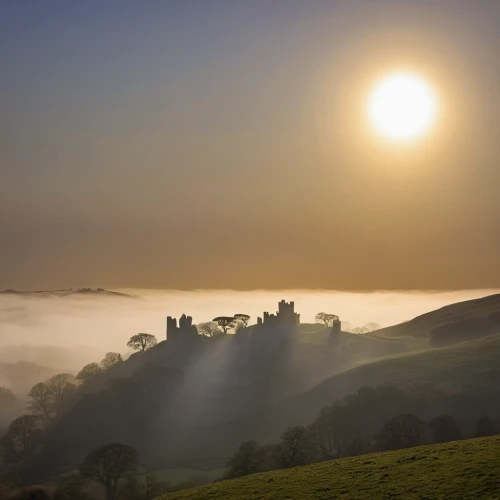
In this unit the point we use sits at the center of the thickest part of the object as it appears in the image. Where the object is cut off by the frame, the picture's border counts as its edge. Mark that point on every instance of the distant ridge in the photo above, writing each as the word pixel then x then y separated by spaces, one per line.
pixel 422 325
pixel 66 292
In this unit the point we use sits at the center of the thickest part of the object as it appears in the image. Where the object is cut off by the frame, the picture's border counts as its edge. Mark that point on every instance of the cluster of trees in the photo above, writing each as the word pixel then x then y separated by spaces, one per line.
pixel 326 318
pixel 112 466
pixel 221 324
pixel 47 402
pixel 352 426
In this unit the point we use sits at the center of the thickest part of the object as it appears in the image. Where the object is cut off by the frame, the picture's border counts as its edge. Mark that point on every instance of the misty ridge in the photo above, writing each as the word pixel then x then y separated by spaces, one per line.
pixel 61 331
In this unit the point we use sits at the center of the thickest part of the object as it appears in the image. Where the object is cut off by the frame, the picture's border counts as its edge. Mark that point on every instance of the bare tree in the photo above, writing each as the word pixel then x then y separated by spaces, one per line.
pixel 209 329
pixel 225 322
pixel 108 464
pixel 142 341
pixel 244 318
pixel 326 318
pixel 111 359
pixel 295 446
pixel 246 460
pixel 41 401
pixel 60 387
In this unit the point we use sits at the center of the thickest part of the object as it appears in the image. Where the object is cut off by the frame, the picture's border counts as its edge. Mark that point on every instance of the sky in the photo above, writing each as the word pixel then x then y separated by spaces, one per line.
pixel 224 144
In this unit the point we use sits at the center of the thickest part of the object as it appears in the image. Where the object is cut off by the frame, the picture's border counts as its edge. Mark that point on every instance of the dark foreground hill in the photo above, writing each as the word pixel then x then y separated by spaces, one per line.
pixel 485 308
pixel 457 470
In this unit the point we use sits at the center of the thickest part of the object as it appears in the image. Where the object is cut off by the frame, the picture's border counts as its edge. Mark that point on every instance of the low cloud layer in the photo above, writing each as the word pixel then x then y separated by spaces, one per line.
pixel 63 332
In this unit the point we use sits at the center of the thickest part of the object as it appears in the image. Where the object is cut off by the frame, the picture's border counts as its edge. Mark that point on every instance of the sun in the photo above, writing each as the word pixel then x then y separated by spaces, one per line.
pixel 402 107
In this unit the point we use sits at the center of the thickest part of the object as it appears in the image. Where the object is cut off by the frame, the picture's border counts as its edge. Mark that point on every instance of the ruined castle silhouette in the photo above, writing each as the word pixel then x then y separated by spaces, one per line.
pixel 285 317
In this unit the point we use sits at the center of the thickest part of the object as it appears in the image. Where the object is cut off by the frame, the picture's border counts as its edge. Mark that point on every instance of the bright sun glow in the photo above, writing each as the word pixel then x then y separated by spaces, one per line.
pixel 402 106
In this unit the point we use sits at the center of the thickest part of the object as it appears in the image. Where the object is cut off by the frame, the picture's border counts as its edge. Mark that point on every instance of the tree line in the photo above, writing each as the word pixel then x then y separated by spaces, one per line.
pixel 373 419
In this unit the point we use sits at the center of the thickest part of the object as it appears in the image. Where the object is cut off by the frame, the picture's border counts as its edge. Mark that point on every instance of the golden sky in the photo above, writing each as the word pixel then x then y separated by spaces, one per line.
pixel 226 145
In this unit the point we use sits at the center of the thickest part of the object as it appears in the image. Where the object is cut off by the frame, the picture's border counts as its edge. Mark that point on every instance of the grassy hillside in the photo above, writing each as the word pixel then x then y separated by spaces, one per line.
pixel 472 365
pixel 421 326
pixel 458 470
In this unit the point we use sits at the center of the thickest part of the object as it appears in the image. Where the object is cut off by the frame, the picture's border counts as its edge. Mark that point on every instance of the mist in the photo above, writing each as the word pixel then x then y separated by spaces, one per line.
pixel 67 332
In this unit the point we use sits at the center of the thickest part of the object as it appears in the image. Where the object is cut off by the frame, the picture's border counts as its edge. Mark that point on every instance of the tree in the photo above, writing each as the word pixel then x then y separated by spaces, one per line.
pixel 326 318
pixel 142 341
pixel 111 359
pixel 41 404
pixel 404 431
pixel 485 427
pixel 245 461
pixel 108 464
pixel 7 397
pixel 225 322
pixel 244 318
pixel 19 442
pixel 89 373
pixel 60 388
pixel 295 447
pixel 8 401
pixel 445 428
pixel 209 329
pixel 327 431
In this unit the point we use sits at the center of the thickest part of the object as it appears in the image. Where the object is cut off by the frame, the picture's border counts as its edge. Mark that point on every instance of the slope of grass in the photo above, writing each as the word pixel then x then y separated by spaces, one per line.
pixel 421 326
pixel 458 470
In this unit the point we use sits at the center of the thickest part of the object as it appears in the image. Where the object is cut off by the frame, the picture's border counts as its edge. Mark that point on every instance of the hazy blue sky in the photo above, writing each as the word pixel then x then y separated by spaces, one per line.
pixel 209 144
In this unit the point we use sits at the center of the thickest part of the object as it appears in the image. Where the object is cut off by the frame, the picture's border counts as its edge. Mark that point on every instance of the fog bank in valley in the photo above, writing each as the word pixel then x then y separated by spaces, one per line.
pixel 66 332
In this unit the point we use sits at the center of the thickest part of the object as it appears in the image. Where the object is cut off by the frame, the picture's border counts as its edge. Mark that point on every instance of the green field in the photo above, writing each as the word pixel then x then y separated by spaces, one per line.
pixel 458 470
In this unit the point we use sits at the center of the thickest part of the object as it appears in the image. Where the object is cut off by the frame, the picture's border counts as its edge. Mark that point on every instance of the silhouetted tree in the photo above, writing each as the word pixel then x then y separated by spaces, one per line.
pixel 89 373
pixel 142 341
pixel 108 464
pixel 445 428
pixel 245 461
pixel 209 329
pixel 404 431
pixel 41 401
pixel 7 397
pixel 19 442
pixel 326 318
pixel 485 427
pixel 8 400
pixel 111 359
pixel 244 318
pixel 327 432
pixel 61 388
pixel 225 322
pixel 295 447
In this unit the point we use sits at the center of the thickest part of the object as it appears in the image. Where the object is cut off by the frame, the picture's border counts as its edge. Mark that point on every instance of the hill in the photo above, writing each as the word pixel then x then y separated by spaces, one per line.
pixel 471 366
pixel 64 292
pixel 457 470
pixel 422 326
